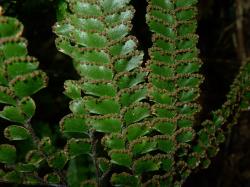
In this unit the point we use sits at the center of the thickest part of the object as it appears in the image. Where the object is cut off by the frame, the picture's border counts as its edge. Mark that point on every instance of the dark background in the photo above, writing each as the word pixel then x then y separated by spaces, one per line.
pixel 218 46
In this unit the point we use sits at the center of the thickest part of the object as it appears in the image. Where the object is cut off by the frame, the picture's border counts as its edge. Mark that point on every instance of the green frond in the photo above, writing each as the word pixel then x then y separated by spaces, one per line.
pixel 215 129
pixel 20 78
pixel 132 123
pixel 109 96
pixel 173 82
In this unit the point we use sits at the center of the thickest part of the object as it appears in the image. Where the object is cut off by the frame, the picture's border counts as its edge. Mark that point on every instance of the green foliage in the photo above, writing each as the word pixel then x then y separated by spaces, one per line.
pixel 95 35
pixel 131 123
pixel 113 86
pixel 20 78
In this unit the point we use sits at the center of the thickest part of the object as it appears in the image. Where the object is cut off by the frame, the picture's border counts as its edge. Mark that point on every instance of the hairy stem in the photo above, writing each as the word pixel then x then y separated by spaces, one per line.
pixel 36 141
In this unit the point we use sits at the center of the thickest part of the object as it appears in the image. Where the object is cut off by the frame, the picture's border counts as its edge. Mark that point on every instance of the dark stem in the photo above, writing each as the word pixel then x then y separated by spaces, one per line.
pixel 94 142
pixel 241 50
pixel 33 135
pixel 36 141
pixel 105 174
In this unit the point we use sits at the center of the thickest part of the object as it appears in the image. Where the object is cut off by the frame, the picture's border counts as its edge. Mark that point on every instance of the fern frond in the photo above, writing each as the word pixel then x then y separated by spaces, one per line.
pixel 20 78
pixel 215 129
pixel 145 126
pixel 109 97
pixel 174 82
